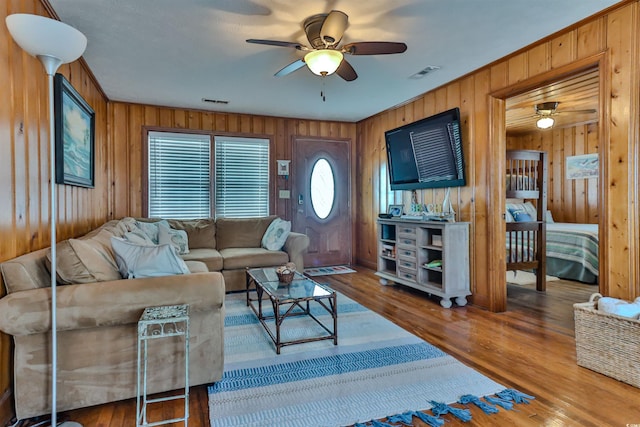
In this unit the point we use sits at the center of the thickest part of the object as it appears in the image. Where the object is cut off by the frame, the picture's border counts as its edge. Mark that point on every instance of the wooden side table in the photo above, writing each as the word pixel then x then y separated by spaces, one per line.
pixel 157 323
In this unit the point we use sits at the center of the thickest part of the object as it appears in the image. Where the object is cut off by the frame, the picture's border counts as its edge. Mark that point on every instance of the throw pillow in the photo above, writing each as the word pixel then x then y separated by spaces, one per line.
pixel 508 217
pixel 176 238
pixel 519 215
pixel 84 261
pixel 138 236
pixel 136 261
pixel 550 217
pixel 276 234
pixel 150 229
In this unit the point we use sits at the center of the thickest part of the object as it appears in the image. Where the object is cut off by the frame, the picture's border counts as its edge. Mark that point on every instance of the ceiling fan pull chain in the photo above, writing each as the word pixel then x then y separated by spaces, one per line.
pixel 324 99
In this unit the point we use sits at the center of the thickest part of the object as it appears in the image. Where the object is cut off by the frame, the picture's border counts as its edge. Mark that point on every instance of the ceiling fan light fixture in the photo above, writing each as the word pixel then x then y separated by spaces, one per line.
pixel 545 122
pixel 323 62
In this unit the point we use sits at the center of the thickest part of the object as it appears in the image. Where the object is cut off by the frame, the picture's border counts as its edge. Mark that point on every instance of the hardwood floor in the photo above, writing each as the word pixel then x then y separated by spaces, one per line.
pixel 530 348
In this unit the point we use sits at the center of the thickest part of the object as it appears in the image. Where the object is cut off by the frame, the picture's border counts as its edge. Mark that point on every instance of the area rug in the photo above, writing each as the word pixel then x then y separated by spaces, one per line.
pixel 519 277
pixel 326 271
pixel 376 370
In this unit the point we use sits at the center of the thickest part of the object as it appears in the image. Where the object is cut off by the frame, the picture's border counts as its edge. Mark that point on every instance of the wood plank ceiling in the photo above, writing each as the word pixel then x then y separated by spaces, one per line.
pixel 577 96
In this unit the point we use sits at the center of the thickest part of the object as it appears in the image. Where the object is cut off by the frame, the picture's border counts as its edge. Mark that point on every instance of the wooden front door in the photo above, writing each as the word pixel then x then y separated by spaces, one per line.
pixel 321 199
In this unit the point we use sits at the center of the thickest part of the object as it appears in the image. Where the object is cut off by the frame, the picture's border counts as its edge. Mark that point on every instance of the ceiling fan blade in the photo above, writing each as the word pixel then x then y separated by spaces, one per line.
pixel 588 111
pixel 374 48
pixel 346 71
pixel 278 43
pixel 333 27
pixel 295 65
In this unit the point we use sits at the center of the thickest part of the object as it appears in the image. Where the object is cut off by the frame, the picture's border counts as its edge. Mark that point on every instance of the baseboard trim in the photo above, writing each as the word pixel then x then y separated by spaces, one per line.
pixel 6 406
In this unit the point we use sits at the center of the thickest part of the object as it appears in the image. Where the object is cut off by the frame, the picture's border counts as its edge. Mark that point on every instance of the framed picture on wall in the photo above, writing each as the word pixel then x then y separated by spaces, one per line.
pixel 74 136
pixel 583 166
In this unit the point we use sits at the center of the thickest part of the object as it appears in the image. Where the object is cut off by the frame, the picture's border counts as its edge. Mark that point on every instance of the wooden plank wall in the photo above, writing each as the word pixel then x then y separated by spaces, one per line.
pixel 125 143
pixel 569 200
pixel 24 163
pixel 617 34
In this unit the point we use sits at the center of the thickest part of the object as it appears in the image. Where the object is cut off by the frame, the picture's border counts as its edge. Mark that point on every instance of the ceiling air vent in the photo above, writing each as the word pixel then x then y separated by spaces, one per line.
pixel 420 74
pixel 215 101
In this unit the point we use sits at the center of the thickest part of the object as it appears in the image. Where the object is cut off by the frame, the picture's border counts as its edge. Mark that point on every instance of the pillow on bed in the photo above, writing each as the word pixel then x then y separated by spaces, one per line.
pixel 549 217
pixel 508 217
pixel 519 215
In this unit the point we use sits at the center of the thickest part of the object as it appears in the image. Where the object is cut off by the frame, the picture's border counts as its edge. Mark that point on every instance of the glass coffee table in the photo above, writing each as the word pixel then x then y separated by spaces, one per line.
pixel 288 300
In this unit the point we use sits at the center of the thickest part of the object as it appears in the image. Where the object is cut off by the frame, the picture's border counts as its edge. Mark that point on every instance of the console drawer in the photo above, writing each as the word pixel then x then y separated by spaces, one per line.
pixel 405 263
pixel 406 241
pixel 406 274
pixel 406 253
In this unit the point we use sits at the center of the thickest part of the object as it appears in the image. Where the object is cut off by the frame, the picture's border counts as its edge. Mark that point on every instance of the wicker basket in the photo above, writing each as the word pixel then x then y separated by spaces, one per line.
pixel 607 343
pixel 285 277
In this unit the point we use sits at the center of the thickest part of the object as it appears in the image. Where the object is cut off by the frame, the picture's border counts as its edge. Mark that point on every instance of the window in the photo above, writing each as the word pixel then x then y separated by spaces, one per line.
pixel 179 179
pixel 181 176
pixel 242 177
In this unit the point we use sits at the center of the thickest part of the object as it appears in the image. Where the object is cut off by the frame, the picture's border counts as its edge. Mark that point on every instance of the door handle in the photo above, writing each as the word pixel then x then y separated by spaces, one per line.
pixel 300 199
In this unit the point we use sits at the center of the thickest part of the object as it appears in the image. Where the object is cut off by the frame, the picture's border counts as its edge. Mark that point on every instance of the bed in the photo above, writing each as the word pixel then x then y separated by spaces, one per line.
pixel 526 180
pixel 572 251
pixel 534 241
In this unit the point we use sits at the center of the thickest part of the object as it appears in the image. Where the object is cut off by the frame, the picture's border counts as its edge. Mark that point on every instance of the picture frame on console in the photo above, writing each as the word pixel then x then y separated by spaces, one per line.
pixel 74 136
pixel 395 210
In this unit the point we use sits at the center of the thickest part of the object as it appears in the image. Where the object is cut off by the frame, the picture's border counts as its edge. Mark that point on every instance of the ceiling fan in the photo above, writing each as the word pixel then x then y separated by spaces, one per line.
pixel 324 32
pixel 545 111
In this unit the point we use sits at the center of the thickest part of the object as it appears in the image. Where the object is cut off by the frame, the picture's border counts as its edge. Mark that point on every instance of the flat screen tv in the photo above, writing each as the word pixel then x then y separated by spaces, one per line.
pixel 426 153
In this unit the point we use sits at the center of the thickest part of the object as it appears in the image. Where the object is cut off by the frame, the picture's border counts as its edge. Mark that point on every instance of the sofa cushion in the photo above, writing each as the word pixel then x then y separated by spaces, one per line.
pixel 276 234
pixel 235 258
pixel 85 260
pixel 210 257
pixel 201 233
pixel 136 261
pixel 241 232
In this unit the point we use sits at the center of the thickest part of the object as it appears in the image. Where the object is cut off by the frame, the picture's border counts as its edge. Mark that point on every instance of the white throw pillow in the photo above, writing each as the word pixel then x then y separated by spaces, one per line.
pixel 151 229
pixel 177 238
pixel 146 261
pixel 138 236
pixel 276 234
pixel 549 217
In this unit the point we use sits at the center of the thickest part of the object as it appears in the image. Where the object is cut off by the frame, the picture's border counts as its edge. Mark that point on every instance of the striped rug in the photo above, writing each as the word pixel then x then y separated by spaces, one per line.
pixel 376 370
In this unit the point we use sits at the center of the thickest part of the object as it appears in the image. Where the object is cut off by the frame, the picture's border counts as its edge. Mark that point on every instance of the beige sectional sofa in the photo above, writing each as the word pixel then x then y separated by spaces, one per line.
pixel 98 312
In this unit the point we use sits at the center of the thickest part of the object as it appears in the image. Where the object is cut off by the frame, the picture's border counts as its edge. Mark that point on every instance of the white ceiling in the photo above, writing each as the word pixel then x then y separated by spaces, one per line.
pixel 176 52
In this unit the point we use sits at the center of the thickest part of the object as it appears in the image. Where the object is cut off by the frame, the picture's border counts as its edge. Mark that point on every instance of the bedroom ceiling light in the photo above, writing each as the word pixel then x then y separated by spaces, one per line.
pixel 323 62
pixel 54 43
pixel 545 122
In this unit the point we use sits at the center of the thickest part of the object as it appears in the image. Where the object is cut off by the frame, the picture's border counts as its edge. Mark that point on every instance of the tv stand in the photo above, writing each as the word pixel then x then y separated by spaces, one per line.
pixel 431 256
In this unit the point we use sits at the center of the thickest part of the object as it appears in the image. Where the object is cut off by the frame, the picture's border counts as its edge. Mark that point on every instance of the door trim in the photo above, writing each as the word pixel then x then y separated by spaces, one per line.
pixel 497 133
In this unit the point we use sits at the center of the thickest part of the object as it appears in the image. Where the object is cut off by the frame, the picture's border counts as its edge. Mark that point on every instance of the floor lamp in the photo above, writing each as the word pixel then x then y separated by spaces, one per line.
pixel 54 43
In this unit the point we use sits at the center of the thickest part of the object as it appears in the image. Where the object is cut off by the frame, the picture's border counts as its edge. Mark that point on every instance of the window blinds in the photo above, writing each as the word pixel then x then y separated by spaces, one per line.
pixel 242 177
pixel 179 175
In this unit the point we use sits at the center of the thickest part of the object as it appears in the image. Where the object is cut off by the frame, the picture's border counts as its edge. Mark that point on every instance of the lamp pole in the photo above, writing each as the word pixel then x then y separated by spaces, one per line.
pixel 54 43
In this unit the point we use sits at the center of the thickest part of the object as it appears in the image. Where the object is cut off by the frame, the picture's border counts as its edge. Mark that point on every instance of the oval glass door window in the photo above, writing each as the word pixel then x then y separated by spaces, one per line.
pixel 322 188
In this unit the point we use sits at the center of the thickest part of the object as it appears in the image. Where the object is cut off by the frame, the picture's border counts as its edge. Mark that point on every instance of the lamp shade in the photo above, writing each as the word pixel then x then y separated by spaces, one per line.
pixel 41 36
pixel 324 61
pixel 545 122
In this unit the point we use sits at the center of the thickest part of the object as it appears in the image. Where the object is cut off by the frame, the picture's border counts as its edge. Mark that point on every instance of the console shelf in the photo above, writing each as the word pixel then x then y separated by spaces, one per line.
pixel 427 255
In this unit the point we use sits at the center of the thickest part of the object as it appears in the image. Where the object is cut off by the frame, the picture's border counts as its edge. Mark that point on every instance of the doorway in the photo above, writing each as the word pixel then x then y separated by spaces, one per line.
pixel 573 204
pixel 321 205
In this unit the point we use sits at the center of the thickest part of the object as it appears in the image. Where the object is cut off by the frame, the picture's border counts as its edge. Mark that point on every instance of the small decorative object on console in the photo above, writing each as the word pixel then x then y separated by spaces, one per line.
pixel 286 272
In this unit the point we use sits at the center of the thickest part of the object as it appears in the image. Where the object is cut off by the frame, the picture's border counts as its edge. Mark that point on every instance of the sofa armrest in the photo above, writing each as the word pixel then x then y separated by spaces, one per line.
pixel 296 246
pixel 107 303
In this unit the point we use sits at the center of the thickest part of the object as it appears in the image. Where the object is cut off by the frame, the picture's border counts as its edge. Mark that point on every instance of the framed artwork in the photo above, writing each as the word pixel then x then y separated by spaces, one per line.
pixel 395 210
pixel 584 166
pixel 74 136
